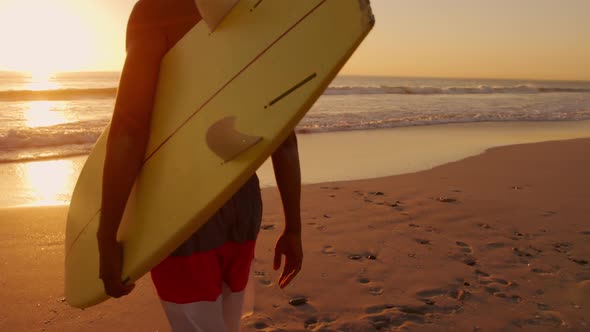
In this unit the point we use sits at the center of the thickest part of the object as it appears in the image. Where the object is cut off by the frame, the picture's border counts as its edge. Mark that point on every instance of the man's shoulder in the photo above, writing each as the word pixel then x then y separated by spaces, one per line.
pixel 167 19
pixel 146 11
pixel 160 11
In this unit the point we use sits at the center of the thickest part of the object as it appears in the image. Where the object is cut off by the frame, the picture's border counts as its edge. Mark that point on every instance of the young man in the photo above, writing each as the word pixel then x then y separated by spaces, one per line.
pixel 202 283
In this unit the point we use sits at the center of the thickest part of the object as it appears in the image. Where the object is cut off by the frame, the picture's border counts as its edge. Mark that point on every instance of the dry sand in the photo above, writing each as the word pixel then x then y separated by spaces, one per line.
pixel 495 242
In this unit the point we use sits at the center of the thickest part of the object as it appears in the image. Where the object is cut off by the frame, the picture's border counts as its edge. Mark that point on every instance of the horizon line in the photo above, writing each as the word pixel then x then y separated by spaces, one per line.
pixel 22 73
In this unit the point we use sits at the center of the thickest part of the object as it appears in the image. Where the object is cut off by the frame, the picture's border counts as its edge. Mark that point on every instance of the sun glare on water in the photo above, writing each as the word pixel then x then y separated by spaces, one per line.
pixel 49 181
pixel 44 114
pixel 42 80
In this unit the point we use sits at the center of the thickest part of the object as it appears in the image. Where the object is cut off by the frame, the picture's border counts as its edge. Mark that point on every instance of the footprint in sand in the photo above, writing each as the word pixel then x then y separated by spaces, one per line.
pixel 562 247
pixel 545 271
pixel 328 250
pixel 511 298
pixel 428 301
pixel 396 204
pixel 261 276
pixel 495 245
pixel 535 249
pixel 427 296
pixel 464 247
pixel 310 323
pixel 541 319
pixel 480 273
pixel 465 255
pixel 376 291
pixel 321 227
pixel 497 287
pixel 460 294
pixel 363 280
pixel 315 323
pixel 430 293
pixel 372 196
pixel 582 262
pixel 543 307
pixel 500 281
pixel 260 324
pixel 469 260
pixel 431 229
pixel 331 188
pixel 375 309
pixel 522 253
pixel 385 317
pixel 484 226
pixel 394 320
pixel 447 200
pixel 422 241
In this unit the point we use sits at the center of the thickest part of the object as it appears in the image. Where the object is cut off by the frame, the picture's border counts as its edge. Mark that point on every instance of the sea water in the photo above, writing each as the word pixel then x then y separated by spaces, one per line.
pixel 62 116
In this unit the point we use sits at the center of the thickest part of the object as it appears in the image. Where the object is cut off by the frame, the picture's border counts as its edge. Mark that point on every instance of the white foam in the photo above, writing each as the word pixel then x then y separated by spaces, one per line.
pixel 427 90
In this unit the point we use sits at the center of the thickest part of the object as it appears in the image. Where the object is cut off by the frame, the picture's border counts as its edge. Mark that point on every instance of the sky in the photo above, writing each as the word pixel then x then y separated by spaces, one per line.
pixel 538 39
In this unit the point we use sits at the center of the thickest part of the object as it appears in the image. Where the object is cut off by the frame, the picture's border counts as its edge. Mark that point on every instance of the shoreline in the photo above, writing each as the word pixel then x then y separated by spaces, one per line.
pixel 331 156
pixel 497 241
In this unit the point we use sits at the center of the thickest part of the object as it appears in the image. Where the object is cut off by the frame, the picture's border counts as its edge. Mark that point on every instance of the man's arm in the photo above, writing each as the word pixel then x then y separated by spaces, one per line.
pixel 285 162
pixel 126 145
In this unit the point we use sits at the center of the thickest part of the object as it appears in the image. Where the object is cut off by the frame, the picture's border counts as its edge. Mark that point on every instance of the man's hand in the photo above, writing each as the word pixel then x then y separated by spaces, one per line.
pixel 289 245
pixel 111 265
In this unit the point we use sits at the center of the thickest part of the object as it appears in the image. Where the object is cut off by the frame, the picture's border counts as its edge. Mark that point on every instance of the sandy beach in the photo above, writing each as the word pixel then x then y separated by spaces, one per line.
pixel 444 149
pixel 494 242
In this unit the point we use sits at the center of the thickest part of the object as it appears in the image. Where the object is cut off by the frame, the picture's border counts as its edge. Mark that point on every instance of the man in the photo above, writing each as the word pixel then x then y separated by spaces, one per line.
pixel 201 284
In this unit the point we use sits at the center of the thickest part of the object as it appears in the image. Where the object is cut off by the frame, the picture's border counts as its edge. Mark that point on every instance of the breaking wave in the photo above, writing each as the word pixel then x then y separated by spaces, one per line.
pixel 49 137
pixel 59 94
pixel 425 90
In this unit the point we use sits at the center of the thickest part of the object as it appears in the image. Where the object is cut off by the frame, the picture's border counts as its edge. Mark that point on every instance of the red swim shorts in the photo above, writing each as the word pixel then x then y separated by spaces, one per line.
pixel 200 276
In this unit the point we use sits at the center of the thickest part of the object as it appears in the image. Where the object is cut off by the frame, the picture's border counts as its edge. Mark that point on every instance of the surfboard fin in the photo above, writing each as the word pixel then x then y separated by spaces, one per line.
pixel 214 11
pixel 228 143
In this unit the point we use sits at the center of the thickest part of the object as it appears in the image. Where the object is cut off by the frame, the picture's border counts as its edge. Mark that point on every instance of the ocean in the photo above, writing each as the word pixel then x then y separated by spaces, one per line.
pixel 45 121
pixel 64 115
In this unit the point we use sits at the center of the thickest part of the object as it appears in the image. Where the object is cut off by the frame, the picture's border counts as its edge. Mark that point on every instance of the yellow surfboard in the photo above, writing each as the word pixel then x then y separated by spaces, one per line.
pixel 225 101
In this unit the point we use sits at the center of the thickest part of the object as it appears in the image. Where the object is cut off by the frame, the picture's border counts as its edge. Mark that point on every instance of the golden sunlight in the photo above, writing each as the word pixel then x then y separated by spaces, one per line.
pixel 42 76
pixel 46 36
pixel 41 80
pixel 49 181
pixel 44 113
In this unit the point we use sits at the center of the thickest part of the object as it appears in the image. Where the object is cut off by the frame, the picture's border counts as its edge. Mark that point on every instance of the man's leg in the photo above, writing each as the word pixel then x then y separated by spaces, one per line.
pixel 235 267
pixel 233 303
pixel 195 317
